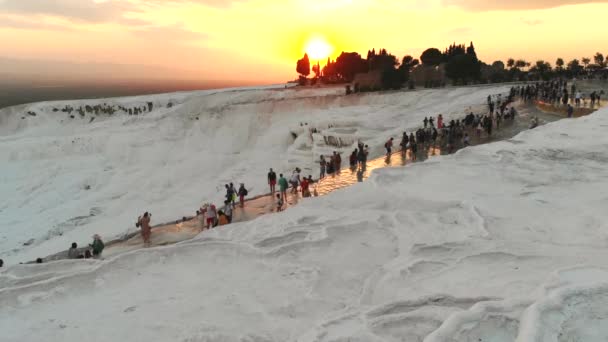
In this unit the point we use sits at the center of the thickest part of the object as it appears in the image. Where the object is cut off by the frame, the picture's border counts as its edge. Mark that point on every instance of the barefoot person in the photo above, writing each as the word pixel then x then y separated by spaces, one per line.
pixel 272 180
pixel 279 203
pixel 211 214
pixel 242 193
pixel 144 224
pixel 283 185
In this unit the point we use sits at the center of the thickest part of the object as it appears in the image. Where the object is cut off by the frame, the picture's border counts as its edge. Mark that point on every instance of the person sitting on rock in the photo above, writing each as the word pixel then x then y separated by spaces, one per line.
pixel 73 251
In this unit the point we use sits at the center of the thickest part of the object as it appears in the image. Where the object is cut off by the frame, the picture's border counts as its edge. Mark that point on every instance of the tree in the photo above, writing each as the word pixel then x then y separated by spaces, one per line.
pixel 559 63
pixel 317 69
pixel 520 64
pixel 382 61
pixel 498 65
pixel 586 61
pixel 303 66
pixel 407 64
pixel 463 68
pixel 471 51
pixel 543 69
pixel 510 63
pixel 574 67
pixel 349 64
pixel 431 57
pixel 599 59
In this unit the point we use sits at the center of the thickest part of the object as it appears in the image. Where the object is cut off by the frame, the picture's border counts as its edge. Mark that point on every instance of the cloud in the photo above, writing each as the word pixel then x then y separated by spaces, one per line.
pixel 167 33
pixel 490 5
pixel 76 10
pixel 96 11
pixel 21 24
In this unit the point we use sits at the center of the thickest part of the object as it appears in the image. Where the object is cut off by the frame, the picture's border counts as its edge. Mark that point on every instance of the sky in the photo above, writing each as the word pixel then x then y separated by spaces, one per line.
pixel 260 40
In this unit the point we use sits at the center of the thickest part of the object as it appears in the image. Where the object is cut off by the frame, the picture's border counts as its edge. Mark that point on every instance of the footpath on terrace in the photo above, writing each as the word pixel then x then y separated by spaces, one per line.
pixel 187 228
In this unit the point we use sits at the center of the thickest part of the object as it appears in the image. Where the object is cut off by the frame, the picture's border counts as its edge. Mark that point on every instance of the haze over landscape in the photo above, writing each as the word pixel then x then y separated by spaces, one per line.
pixel 258 40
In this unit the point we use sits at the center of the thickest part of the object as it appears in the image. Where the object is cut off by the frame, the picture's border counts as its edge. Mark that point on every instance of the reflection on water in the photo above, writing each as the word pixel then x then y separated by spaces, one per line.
pixel 353 175
pixel 562 110
pixel 267 203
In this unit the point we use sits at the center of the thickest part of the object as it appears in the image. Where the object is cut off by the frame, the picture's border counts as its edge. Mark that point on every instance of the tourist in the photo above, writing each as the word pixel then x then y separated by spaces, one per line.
pixel 233 191
pixel 1 263
pixel 222 218
pixel 362 158
pixel 570 110
pixel 465 140
pixel 440 121
pixel 404 141
pixel 279 203
pixel 295 181
pixel 73 251
pixel 97 246
pixel 283 185
pixel 39 260
pixel 353 159
pixel 304 185
pixel 425 121
pixel 337 162
pixel 322 166
pixel 227 209
pixel 272 180
pixel 413 146
pixel 242 193
pixel 144 224
pixel 388 145
pixel 211 215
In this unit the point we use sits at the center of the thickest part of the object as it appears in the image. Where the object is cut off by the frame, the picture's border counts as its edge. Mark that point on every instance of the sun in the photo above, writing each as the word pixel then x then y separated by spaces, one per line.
pixel 318 48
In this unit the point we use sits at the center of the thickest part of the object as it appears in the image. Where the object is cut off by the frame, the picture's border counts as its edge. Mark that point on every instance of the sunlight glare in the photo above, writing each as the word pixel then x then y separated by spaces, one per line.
pixel 318 48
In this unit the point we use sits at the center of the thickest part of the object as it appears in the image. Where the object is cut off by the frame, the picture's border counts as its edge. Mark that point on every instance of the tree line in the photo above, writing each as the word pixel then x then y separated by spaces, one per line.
pixel 459 62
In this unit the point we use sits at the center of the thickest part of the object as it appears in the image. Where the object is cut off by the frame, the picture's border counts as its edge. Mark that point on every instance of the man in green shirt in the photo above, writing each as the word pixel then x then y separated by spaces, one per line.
pixel 283 185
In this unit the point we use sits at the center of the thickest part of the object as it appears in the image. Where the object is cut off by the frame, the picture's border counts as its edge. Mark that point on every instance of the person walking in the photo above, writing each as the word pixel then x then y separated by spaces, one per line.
pixel 227 209
pixel 143 223
pixel 242 193
pixel 211 214
pixel 353 159
pixel 304 184
pixel 322 166
pixel 404 141
pixel 570 110
pixel 295 180
pixel 233 192
pixel 272 180
pixel 337 162
pixel 97 246
pixel 388 146
pixel 283 185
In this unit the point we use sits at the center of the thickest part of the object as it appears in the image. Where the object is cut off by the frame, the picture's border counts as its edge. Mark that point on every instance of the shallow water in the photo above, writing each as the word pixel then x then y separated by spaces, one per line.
pixel 261 205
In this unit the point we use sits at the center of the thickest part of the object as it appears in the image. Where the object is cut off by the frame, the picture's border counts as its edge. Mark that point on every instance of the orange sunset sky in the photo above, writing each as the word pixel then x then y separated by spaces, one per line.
pixel 260 40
